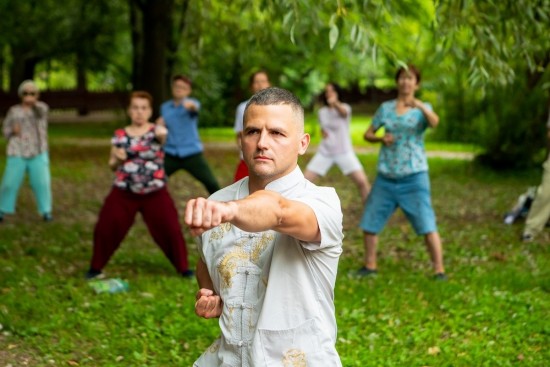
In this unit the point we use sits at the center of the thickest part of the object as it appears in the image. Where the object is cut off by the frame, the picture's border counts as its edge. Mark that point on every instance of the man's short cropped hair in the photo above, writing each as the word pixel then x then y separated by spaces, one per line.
pixel 183 78
pixel 278 96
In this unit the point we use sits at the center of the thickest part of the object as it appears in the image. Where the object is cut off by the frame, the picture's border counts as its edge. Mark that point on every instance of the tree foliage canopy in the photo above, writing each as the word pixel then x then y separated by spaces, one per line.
pixel 475 55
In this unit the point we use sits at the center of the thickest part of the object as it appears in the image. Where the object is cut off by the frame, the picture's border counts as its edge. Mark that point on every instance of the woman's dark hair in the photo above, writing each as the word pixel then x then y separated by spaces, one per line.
pixel 253 76
pixel 336 87
pixel 411 69
pixel 183 78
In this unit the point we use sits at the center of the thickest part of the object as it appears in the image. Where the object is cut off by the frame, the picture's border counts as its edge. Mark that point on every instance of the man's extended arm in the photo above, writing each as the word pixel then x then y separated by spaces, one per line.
pixel 261 211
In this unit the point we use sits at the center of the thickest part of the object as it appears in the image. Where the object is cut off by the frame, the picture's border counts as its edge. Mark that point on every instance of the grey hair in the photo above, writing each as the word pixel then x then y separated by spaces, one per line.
pixel 278 96
pixel 24 85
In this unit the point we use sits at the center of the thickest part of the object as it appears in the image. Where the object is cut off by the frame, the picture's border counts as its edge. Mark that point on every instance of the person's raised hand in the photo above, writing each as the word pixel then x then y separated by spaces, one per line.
pixel 202 214
pixel 332 100
pixel 120 154
pixel 16 130
pixel 160 132
pixel 189 105
pixel 388 139
pixel 414 103
pixel 209 304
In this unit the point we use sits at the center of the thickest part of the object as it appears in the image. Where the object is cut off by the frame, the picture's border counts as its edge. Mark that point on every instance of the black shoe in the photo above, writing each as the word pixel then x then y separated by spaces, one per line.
pixel 366 272
pixel 527 237
pixel 94 274
pixel 187 273
pixel 1 217
pixel 442 277
pixel 47 217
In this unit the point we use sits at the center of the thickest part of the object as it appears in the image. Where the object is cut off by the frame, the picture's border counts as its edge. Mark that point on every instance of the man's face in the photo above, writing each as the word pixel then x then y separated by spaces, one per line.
pixel 140 110
pixel 260 82
pixel 180 89
pixel 272 139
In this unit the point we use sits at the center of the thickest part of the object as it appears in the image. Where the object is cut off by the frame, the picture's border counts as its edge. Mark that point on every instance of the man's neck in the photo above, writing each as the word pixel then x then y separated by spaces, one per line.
pixel 256 185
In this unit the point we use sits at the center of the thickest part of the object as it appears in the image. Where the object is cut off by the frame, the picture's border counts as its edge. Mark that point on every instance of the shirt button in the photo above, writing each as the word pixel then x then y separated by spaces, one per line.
pixel 247 272
pixel 241 343
pixel 243 306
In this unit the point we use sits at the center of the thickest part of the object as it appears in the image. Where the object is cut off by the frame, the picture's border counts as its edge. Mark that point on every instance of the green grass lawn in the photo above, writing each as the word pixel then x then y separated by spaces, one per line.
pixel 493 311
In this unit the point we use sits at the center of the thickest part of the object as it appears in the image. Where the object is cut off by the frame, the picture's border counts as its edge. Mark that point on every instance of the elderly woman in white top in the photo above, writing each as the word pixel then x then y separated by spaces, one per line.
pixel 336 147
pixel 26 128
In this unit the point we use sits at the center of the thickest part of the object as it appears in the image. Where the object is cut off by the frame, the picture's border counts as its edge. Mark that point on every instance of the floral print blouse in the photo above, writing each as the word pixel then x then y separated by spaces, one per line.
pixel 406 156
pixel 33 137
pixel 143 170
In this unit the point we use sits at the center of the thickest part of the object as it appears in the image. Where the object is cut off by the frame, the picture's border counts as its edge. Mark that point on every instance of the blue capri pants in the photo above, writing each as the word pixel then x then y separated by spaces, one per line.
pixel 410 193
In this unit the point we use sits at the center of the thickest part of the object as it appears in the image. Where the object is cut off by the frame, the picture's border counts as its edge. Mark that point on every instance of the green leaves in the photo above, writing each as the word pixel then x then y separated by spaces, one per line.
pixel 333 35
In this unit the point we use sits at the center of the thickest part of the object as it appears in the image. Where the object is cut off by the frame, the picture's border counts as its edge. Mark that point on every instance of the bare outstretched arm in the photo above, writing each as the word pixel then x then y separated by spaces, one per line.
pixel 261 211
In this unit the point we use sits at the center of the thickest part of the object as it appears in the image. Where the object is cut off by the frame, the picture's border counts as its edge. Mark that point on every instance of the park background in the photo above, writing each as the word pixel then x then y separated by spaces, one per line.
pixel 485 70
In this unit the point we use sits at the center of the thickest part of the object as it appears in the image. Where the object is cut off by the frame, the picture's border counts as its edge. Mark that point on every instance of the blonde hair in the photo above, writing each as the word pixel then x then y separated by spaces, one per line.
pixel 24 85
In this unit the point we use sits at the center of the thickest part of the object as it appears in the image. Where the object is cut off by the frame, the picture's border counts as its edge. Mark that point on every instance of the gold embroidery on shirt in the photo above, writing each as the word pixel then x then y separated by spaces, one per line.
pixel 240 254
pixel 213 348
pixel 259 247
pixel 220 231
pixel 294 358
pixel 229 263
pixel 230 317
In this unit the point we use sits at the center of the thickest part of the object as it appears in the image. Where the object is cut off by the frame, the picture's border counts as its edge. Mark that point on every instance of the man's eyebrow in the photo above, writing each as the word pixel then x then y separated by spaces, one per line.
pixel 277 130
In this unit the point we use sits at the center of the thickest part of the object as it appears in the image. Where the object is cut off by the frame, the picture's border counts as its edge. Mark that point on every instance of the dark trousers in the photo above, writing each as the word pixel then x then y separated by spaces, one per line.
pixel 117 216
pixel 196 165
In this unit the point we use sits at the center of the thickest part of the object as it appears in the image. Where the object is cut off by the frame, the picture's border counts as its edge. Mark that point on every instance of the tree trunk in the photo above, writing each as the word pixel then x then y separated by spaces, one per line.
pixel 174 41
pixel 157 30
pixel 81 84
pixel 22 68
pixel 136 25
pixel 2 64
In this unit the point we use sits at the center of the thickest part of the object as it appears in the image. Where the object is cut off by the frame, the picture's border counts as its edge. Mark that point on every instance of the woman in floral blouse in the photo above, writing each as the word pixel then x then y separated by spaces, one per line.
pixel 137 158
pixel 402 179
pixel 26 128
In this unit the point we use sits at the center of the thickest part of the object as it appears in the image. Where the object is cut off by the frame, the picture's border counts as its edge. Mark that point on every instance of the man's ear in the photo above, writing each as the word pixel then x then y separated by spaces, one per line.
pixel 304 143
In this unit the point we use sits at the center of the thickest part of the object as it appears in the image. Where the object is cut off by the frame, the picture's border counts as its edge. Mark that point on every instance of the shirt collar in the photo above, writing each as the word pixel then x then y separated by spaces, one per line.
pixel 284 183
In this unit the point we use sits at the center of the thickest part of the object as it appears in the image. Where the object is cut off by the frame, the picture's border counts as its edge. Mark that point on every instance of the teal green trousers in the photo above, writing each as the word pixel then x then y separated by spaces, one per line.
pixel 38 168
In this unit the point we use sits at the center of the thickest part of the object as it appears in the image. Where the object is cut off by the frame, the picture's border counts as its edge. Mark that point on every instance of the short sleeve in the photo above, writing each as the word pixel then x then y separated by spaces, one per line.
pixel 327 209
pixel 347 107
pixel 423 119
pixel 43 108
pixel 119 138
pixel 378 119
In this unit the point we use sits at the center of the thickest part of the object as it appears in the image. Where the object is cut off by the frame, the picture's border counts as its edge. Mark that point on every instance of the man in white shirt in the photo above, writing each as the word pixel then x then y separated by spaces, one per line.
pixel 269 247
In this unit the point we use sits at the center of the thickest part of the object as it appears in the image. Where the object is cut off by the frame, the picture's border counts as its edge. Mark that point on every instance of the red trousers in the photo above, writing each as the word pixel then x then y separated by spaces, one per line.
pixel 242 171
pixel 159 214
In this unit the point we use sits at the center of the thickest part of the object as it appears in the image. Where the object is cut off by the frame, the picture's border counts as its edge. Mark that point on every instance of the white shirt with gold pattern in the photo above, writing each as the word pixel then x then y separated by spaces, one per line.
pixel 278 292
